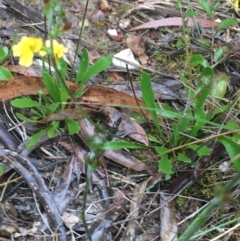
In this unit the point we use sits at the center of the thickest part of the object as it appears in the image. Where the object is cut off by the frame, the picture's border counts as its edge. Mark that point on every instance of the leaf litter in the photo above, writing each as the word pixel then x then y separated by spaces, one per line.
pixel 59 185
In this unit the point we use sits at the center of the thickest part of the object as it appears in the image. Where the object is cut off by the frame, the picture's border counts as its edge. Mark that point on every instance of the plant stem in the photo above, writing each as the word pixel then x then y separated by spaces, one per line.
pixel 79 38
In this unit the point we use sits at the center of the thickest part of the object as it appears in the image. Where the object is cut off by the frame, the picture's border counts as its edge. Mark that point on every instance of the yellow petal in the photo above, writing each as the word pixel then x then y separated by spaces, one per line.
pixel 26 48
pixel 48 43
pixel 42 53
pixel 17 52
pixel 24 39
pixel 27 58
pixel 59 51
pixel 35 44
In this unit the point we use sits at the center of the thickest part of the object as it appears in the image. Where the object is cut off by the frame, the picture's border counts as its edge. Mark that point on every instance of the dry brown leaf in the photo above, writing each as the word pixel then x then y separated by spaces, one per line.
pixel 136 44
pixel 149 234
pixel 65 114
pixel 6 230
pixel 93 55
pixel 128 160
pixel 10 24
pixel 101 223
pixel 139 193
pixel 97 94
pixel 20 86
pixel 104 5
pixel 24 85
pixel 70 219
pixel 26 71
pixel 175 21
pixel 167 89
pixel 80 155
pixel 97 15
pixel 74 114
pixel 120 157
pixel 143 59
pixel 76 8
pixel 115 77
pixel 105 95
pixel 117 38
pixel 169 227
pixel 128 127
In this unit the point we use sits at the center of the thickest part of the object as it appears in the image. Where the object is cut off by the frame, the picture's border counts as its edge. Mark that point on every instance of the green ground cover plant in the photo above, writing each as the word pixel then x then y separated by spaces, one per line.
pixel 59 96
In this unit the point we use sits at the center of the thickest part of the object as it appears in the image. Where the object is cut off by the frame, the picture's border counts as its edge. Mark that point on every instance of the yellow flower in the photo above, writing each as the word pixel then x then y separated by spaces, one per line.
pixel 26 48
pixel 235 4
pixel 58 49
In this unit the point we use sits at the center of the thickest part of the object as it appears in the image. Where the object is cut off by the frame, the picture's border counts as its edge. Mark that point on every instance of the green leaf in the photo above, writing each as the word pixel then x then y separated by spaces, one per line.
pixel 232 149
pixel 3 54
pixel 178 4
pixel 222 109
pixel 190 13
pixel 24 118
pixel 72 126
pixel 204 42
pixel 169 112
pixel 206 76
pixel 200 115
pixel 226 23
pixel 197 59
pixel 79 91
pixel 50 84
pixel 5 74
pixel 204 87
pixel 206 7
pixel 52 128
pixel 203 151
pixel 201 96
pixel 1 169
pixel 34 139
pixel 164 165
pixel 51 132
pixel 189 90
pixel 232 125
pixel 219 85
pixel 183 123
pixel 174 135
pixel 116 145
pixel 38 114
pixel 183 158
pixel 194 147
pixel 63 93
pixel 83 65
pixel 25 102
pixel 101 64
pixel 63 68
pixel 216 6
pixel 50 108
pixel 179 115
pixel 219 53
pixel 161 149
pixel 154 139
pixel 185 80
pixel 148 97
pixel 55 124
pixel 205 63
pixel 179 43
